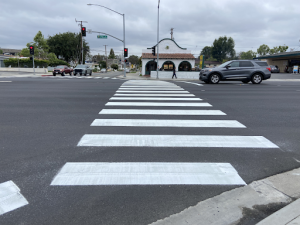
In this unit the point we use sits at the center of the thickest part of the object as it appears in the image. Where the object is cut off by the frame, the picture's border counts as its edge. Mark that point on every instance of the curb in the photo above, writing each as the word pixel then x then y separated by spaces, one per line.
pixel 247 205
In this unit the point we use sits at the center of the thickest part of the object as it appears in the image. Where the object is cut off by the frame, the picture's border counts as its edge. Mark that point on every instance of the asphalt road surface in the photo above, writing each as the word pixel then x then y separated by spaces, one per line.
pixel 51 157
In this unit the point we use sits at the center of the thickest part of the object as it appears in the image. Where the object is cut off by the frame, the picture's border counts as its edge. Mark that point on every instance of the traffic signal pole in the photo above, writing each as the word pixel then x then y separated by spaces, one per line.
pixel 124 43
pixel 33 64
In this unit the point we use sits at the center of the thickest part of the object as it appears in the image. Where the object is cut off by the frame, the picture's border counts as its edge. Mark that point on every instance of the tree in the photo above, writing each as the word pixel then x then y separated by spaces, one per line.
pixel 223 48
pixel 111 54
pixel 114 66
pixel 248 55
pixel 1 52
pixel 263 50
pixel 102 64
pixel 206 51
pixel 25 52
pixel 98 58
pixel 278 49
pixel 133 59
pixel 68 46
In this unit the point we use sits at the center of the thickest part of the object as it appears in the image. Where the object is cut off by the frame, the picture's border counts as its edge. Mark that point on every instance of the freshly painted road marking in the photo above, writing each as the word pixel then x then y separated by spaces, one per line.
pixel 169 86
pixel 5 81
pixel 163 112
pixel 147 173
pixel 156 88
pixel 193 83
pixel 158 104
pixel 156 99
pixel 167 123
pixel 111 140
pixel 154 91
pixel 10 197
pixel 180 95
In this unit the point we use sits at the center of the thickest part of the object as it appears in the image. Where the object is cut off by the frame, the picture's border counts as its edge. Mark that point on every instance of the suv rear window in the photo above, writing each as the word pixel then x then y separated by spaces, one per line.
pixel 262 63
pixel 246 64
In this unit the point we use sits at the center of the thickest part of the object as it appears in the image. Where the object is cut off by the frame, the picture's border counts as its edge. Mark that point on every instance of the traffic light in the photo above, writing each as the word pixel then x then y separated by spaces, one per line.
pixel 153 50
pixel 83 31
pixel 125 52
pixel 31 50
pixel 126 60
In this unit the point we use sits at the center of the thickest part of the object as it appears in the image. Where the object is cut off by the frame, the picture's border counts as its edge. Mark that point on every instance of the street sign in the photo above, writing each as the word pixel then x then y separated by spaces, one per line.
pixel 102 36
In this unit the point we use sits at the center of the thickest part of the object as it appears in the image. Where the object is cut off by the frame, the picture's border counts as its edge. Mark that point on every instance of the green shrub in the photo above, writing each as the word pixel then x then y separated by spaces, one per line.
pixel 114 66
pixel 95 70
pixel 13 62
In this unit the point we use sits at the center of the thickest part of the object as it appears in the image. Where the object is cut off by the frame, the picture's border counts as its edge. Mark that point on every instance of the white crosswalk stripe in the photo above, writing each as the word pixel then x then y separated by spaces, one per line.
pixel 156 99
pixel 152 91
pixel 10 197
pixel 148 174
pixel 163 112
pixel 167 123
pixel 139 95
pixel 195 141
pixel 162 104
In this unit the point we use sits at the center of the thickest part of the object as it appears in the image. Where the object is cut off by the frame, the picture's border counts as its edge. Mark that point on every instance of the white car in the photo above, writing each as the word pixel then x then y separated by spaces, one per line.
pixel 127 70
pixel 103 71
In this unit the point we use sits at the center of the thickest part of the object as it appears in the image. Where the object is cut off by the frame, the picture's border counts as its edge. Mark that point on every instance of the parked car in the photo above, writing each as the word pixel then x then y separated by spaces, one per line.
pixel 83 69
pixel 62 70
pixel 237 70
pixel 127 70
pixel 103 70
pixel 274 69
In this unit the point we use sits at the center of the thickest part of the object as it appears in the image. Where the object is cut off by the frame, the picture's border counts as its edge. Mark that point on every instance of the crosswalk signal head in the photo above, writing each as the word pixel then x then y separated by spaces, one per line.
pixel 83 31
pixel 31 50
pixel 153 50
pixel 125 52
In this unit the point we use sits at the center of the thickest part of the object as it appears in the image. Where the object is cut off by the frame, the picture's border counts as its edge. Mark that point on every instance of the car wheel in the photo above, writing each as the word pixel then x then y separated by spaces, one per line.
pixel 54 74
pixel 80 74
pixel 256 78
pixel 214 78
pixel 74 74
pixel 85 73
pixel 91 73
pixel 63 73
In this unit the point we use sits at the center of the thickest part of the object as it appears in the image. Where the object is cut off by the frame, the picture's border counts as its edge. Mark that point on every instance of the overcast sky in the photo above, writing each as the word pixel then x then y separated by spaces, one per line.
pixel 250 23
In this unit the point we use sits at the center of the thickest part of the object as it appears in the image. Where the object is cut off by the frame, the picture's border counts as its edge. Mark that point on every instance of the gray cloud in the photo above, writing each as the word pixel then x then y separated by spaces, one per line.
pixel 196 23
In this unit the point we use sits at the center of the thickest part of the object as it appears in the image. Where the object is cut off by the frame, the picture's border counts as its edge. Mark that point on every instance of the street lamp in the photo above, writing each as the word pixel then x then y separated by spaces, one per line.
pixel 157 40
pixel 123 29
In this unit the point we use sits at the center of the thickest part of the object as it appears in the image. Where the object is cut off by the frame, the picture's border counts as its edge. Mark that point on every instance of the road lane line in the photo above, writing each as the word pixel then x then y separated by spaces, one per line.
pixel 167 123
pixel 178 95
pixel 158 104
pixel 119 140
pixel 163 112
pixel 147 173
pixel 5 81
pixel 10 197
pixel 156 99
pixel 150 86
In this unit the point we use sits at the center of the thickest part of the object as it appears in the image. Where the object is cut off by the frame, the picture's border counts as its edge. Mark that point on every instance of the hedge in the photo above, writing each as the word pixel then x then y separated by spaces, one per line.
pixel 13 62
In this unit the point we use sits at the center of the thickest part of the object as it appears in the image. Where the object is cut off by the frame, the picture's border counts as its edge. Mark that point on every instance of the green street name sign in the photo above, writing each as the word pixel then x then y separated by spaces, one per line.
pixel 102 36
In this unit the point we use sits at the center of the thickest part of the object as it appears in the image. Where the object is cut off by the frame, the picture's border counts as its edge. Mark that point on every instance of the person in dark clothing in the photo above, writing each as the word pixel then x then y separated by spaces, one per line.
pixel 174 72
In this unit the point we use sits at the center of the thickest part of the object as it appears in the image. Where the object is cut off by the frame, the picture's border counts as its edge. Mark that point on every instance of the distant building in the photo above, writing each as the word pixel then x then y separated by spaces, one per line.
pixel 170 55
pixel 8 51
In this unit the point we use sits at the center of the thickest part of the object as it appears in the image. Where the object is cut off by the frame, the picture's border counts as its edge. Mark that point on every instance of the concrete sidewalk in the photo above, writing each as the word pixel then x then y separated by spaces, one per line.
pixel 257 202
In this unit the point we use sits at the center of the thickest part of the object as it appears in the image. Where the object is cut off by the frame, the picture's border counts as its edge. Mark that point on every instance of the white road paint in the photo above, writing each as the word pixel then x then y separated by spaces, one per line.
pixel 154 88
pixel 209 141
pixel 163 112
pixel 98 77
pixel 157 86
pixel 158 104
pixel 5 81
pixel 10 197
pixel 114 78
pixel 167 123
pixel 178 95
pixel 183 92
pixel 193 83
pixel 147 173
pixel 156 99
pixel 105 77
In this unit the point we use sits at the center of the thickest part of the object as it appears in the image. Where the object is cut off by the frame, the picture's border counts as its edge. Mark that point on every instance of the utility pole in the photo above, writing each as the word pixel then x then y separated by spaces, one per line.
pixel 106 56
pixel 81 38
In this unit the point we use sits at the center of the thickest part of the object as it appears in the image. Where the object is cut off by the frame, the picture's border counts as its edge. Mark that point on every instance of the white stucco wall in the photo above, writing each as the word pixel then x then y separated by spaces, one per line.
pixel 186 75
pixel 162 61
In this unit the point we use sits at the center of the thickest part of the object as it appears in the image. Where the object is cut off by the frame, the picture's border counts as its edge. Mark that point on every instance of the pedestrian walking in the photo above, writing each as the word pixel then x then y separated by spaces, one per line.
pixel 174 72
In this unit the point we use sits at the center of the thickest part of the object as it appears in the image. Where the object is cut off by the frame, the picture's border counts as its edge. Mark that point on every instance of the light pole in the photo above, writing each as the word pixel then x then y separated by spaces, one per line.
pixel 123 29
pixel 157 40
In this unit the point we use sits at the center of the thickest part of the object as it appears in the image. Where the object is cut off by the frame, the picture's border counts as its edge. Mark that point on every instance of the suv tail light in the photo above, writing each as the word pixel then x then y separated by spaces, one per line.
pixel 269 68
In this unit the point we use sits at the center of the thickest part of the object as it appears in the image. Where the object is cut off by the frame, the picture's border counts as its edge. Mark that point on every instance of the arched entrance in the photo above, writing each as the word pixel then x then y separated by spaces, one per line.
pixel 185 66
pixel 150 66
pixel 168 66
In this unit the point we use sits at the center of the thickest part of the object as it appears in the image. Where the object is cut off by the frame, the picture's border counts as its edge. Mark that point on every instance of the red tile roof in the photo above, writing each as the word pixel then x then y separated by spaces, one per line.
pixel 168 56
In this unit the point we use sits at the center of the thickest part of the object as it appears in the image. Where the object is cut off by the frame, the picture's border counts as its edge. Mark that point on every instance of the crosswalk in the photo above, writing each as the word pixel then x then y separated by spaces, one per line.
pixel 136 97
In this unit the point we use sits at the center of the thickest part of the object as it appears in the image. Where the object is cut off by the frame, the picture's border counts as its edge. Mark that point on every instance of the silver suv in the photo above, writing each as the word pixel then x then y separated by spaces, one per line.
pixel 237 70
